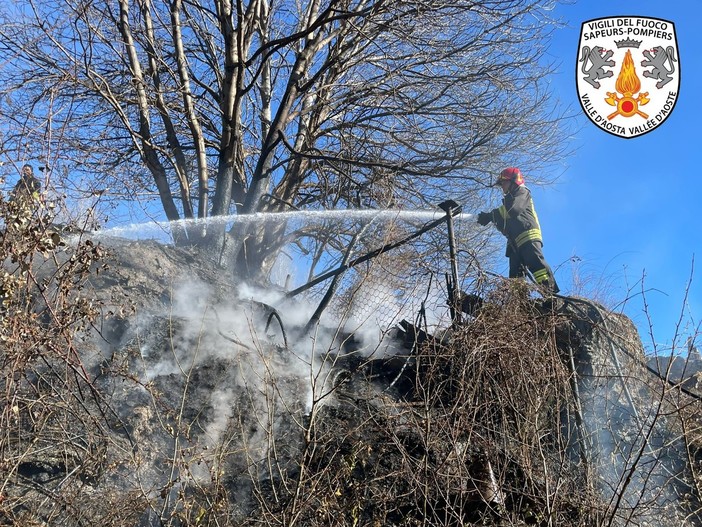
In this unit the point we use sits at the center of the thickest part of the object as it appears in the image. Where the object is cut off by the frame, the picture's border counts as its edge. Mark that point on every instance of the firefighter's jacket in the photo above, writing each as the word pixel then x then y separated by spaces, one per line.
pixel 517 219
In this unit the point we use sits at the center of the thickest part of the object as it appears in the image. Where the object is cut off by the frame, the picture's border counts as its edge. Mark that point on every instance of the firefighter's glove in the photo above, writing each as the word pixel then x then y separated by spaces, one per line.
pixel 484 218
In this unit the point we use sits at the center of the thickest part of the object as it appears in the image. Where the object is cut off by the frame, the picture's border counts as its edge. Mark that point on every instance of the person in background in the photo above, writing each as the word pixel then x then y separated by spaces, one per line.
pixel 28 186
pixel 516 218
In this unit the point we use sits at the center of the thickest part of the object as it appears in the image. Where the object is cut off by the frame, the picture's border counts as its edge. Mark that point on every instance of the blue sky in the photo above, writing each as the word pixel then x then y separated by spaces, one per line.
pixel 629 208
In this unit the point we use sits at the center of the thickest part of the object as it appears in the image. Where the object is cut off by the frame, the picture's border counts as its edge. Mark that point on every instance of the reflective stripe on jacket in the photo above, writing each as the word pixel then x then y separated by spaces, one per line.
pixel 516 217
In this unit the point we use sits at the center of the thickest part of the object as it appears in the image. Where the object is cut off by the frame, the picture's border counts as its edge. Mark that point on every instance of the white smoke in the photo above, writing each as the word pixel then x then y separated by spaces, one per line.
pixel 231 378
pixel 254 373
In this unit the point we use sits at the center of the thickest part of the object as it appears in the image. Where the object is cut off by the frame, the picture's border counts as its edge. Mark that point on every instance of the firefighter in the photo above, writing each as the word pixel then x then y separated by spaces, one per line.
pixel 517 220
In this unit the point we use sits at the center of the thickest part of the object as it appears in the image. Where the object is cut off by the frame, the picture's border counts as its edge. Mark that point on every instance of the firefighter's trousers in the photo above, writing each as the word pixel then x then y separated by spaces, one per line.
pixel 530 256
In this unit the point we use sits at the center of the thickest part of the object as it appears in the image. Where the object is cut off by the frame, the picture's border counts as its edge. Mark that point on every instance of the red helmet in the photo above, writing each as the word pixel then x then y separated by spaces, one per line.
pixel 511 174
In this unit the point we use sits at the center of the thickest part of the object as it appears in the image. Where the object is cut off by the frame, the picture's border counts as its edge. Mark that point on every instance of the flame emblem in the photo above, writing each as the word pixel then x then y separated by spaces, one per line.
pixel 628 84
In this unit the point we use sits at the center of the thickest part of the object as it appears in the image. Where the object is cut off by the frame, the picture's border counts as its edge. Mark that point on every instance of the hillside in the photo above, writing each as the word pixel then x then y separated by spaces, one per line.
pixel 141 387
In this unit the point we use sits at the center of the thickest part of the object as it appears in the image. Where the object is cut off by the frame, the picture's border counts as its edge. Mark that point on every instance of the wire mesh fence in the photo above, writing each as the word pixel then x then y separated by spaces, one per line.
pixel 409 279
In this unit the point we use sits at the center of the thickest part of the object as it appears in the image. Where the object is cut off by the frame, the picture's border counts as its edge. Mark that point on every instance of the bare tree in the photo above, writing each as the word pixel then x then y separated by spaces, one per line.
pixel 211 108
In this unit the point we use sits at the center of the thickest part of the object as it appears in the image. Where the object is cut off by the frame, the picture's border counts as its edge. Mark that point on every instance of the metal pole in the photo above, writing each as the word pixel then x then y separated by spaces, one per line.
pixel 452 208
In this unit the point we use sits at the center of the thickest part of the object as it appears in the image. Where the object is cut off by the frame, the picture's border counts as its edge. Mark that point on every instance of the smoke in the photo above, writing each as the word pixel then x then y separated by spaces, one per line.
pixel 227 380
pixel 634 452
pixel 238 377
pixel 222 406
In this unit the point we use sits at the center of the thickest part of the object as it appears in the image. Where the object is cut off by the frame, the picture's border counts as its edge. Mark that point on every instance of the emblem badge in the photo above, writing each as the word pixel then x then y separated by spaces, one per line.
pixel 628 73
